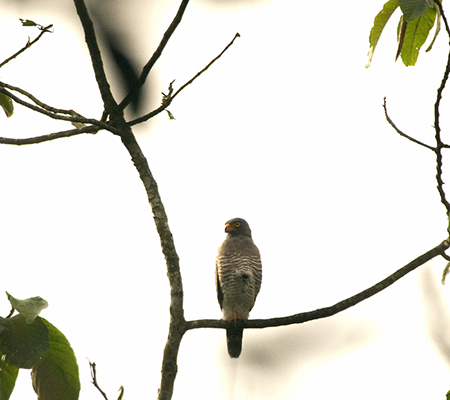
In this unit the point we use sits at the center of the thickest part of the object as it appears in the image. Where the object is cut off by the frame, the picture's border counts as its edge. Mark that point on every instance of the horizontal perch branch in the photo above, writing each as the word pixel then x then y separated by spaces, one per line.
pixel 334 309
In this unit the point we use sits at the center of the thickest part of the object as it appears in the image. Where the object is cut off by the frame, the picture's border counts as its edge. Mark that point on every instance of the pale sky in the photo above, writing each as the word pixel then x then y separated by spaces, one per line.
pixel 287 131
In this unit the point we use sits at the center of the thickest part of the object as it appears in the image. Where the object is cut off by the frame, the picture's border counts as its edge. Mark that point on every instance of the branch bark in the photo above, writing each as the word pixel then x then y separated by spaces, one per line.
pixel 148 67
pixel 439 144
pixel 96 58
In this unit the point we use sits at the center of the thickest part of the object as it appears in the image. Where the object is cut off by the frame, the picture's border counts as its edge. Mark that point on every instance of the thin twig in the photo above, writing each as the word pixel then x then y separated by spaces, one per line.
pixel 50 114
pixel 206 68
pixel 94 379
pixel 50 136
pixel 40 103
pixel 147 68
pixel 336 308
pixel 168 99
pixel 402 133
pixel 28 45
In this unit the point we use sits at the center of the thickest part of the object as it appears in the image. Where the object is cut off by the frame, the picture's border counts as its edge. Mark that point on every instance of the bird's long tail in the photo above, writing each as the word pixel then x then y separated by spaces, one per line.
pixel 234 341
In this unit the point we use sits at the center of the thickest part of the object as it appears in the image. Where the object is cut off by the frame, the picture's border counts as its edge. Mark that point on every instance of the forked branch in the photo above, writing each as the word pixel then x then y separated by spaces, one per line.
pixel 439 143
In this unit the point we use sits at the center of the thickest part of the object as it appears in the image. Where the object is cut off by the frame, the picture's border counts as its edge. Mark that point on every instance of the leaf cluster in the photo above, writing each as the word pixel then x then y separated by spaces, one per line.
pixel 28 341
pixel 417 19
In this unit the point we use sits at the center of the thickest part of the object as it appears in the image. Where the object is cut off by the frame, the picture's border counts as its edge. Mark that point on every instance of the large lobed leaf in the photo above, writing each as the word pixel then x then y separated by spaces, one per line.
pixel 23 345
pixel 412 9
pixel 416 22
pixel 57 378
pixel 8 376
pixel 416 34
pixel 379 23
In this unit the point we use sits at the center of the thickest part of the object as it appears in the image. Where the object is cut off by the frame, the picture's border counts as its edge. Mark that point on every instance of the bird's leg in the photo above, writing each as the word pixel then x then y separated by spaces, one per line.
pixel 235 318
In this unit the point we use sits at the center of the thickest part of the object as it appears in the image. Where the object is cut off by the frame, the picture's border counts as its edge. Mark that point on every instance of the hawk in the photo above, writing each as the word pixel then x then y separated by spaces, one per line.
pixel 238 280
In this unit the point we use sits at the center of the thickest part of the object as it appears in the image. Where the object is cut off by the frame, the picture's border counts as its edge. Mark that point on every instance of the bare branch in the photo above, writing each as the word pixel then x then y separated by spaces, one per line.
pixel 43 29
pixel 40 103
pixel 204 69
pixel 168 98
pixel 79 119
pixel 147 68
pixel 96 58
pixel 402 133
pixel 336 308
pixel 93 367
pixel 51 136
pixel 437 128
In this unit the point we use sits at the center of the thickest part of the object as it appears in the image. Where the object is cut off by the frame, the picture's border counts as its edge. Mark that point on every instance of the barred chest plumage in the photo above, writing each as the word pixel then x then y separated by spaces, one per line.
pixel 240 280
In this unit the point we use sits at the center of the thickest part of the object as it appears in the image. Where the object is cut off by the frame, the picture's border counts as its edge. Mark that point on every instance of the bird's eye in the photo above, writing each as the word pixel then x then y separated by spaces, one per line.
pixel 236 224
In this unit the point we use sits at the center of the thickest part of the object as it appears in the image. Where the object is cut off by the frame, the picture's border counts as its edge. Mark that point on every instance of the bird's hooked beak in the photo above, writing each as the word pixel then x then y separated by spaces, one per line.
pixel 229 228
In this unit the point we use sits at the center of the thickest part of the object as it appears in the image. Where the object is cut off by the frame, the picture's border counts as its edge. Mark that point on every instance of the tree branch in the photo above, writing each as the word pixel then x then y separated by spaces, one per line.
pixel 437 128
pixel 74 118
pixel 336 308
pixel 147 68
pixel 43 29
pixel 402 133
pixel 96 57
pixel 177 321
pixel 206 68
pixel 40 103
pixel 51 136
pixel 167 99
pixel 93 367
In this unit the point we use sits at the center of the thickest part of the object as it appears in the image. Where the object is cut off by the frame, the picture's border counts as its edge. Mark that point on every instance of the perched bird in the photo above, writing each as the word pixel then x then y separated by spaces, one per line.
pixel 238 280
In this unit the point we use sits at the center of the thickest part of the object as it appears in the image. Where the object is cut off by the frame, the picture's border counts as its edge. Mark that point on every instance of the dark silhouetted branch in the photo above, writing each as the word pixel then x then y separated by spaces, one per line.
pixel 336 308
pixel 93 367
pixel 439 144
pixel 167 99
pixel 50 136
pixel 148 67
pixel 43 30
pixel 402 133
pixel 96 58
pixel 73 118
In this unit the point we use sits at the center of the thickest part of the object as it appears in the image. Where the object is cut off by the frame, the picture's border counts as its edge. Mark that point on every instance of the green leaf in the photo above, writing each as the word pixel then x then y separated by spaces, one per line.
pixel 170 115
pixel 7 104
pixel 8 376
pixel 23 345
pixel 379 23
pixel 438 29
pixel 29 308
pixel 416 34
pixel 57 378
pixel 444 275
pixel 412 9
pixel 121 390
pixel 27 22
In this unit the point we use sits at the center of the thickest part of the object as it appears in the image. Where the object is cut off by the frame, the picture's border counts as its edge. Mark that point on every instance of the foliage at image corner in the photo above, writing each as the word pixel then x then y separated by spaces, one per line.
pixel 417 19
pixel 28 341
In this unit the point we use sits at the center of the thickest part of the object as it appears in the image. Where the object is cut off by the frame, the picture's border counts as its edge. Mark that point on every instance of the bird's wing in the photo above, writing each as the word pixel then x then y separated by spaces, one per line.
pixel 219 288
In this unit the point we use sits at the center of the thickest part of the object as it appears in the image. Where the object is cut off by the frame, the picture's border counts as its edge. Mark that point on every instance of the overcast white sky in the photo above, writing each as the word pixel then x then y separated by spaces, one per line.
pixel 287 131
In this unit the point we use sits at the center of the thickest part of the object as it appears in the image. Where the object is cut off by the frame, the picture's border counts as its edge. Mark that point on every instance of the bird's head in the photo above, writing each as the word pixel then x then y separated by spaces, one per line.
pixel 237 227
